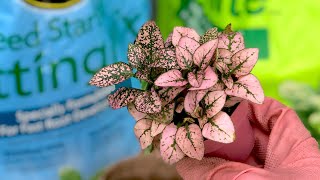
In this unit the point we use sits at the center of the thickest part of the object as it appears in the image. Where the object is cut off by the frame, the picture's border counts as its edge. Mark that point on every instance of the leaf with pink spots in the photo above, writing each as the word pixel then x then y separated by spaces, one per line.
pixel 171 78
pixel 156 72
pixel 150 39
pixel 243 61
pixel 192 99
pixel 142 130
pixel 203 55
pixel 179 32
pixel 168 42
pixel 210 79
pixel 190 140
pixel 169 149
pixel 148 102
pixel 184 52
pixel 157 128
pixel 232 41
pixel 137 115
pixel 166 59
pixel 214 102
pixel 220 128
pixel 111 75
pixel 166 114
pixel 143 75
pixel 209 35
pixel 122 97
pixel 247 87
pixel 195 79
pixel 136 56
pixel 167 94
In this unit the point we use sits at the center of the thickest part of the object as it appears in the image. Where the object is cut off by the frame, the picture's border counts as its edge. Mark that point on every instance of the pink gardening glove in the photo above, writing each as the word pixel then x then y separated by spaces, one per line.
pixel 283 149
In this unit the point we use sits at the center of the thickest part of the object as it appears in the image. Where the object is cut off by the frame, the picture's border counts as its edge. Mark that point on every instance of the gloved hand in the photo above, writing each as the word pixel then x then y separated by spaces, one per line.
pixel 283 149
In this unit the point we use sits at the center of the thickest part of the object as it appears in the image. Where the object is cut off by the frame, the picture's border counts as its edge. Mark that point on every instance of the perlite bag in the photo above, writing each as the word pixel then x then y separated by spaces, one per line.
pixel 53 125
pixel 286 33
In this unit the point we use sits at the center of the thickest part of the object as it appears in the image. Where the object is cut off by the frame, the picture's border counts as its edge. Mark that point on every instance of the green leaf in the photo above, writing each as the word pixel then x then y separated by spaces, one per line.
pixel 136 56
pixel 209 35
pixel 150 40
pixel 122 97
pixel 148 102
pixel 112 74
pixel 166 58
pixel 143 75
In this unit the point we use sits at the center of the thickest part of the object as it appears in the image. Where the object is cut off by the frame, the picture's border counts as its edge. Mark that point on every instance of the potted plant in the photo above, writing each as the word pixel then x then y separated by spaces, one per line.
pixel 191 88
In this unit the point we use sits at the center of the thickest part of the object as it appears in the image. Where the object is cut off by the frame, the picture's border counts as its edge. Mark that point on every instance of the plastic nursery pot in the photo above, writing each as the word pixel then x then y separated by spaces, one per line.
pixel 240 149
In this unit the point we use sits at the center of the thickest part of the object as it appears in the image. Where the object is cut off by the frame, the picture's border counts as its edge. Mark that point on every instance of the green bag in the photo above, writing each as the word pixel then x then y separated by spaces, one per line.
pixel 284 31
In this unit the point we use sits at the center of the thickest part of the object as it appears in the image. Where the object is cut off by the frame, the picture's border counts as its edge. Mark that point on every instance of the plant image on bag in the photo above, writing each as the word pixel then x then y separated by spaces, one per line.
pixel 190 82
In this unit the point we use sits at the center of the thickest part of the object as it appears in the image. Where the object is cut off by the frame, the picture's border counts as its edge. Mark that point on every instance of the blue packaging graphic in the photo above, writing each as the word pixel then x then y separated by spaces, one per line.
pixel 53 125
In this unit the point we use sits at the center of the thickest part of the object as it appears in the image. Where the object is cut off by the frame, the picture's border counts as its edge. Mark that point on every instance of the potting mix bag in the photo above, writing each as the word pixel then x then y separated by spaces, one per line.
pixel 286 33
pixel 53 125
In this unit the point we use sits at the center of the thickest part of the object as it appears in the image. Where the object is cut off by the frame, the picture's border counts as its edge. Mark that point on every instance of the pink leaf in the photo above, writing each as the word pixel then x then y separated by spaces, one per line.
pixel 214 102
pixel 219 129
pixel 171 78
pixel 247 87
pixel 210 79
pixel 166 114
pixel 219 86
pixel 136 56
pixel 192 100
pixel 122 97
pixel 167 94
pixel 228 81
pixel 184 52
pixel 157 128
pixel 184 58
pixel 243 61
pixel 135 113
pixel 148 102
pixel 197 113
pixel 149 38
pixel 232 101
pixel 190 141
pixel 168 42
pixel 232 41
pixel 190 45
pixel 224 59
pixel 203 55
pixel 166 59
pixel 142 130
pixel 202 121
pixel 179 32
pixel 112 74
pixel 195 79
pixel 169 150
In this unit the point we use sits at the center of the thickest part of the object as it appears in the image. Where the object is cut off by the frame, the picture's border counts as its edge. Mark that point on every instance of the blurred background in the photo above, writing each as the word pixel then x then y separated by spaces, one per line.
pixel 53 125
